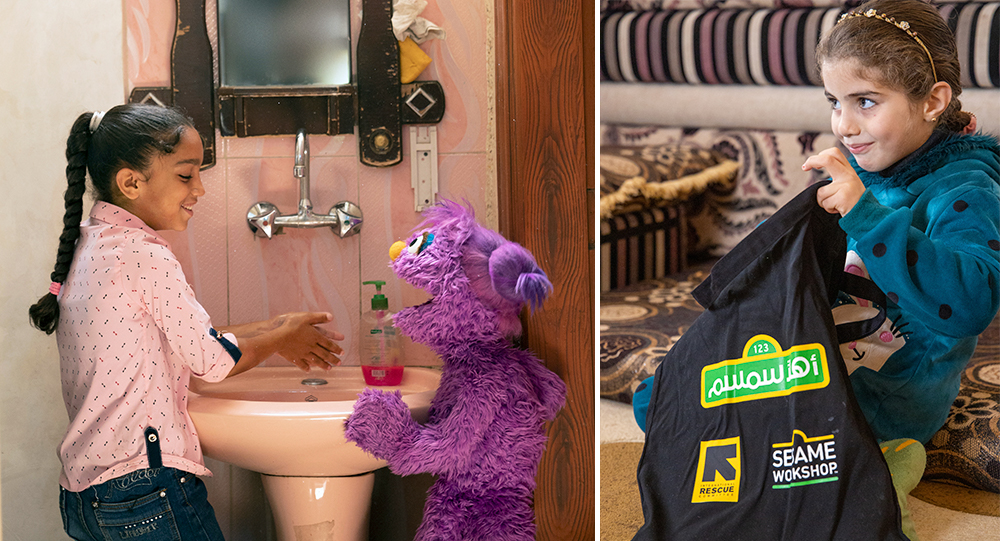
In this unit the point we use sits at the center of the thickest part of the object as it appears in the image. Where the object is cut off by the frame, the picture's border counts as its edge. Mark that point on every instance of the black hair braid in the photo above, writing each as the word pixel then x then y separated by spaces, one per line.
pixel 130 135
pixel 45 313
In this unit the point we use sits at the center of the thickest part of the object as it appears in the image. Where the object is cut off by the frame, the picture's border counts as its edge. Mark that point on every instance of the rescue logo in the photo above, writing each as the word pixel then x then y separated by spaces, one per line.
pixel 718 475
pixel 764 371
pixel 804 461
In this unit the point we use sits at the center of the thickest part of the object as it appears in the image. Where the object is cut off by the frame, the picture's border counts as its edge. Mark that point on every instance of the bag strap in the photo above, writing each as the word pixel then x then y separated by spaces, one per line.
pixel 865 289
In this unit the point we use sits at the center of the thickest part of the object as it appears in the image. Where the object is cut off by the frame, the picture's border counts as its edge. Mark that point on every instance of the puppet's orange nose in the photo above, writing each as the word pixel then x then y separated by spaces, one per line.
pixel 396 249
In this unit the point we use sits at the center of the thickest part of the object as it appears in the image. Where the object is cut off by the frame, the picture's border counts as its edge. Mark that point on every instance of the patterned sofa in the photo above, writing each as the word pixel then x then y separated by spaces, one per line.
pixel 736 78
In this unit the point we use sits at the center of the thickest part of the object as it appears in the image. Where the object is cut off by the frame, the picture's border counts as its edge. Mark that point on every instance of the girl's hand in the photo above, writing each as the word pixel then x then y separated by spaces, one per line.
pixel 295 336
pixel 845 191
pixel 306 345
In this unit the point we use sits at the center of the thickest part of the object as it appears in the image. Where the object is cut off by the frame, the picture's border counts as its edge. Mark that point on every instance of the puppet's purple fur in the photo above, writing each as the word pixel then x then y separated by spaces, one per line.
pixel 485 432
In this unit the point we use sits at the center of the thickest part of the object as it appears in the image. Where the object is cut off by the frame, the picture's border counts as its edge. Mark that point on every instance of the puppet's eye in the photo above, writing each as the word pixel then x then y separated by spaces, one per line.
pixel 420 243
pixel 414 244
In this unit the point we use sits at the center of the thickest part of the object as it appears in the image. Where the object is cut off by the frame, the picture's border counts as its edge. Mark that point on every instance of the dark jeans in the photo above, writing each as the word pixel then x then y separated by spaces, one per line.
pixel 157 504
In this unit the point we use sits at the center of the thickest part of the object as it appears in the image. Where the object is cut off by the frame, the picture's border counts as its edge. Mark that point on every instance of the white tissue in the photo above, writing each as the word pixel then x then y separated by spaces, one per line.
pixel 407 22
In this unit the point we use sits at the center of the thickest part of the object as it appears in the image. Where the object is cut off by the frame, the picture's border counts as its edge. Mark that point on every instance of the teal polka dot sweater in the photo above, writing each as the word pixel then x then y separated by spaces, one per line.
pixel 929 237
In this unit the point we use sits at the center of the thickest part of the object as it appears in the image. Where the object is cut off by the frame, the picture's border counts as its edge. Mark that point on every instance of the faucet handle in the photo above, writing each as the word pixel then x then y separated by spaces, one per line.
pixel 348 217
pixel 261 217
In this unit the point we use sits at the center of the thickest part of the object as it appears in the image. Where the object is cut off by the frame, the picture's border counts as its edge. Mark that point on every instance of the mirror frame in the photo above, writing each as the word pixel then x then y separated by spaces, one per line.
pixel 375 101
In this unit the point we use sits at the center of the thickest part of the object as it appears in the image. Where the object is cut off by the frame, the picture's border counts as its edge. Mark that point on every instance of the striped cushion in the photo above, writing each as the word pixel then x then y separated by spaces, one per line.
pixel 977 32
pixel 643 245
pixel 641 5
pixel 763 46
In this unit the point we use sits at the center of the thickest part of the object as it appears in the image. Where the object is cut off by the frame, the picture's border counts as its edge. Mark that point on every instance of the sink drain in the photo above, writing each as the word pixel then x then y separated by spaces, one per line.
pixel 314 381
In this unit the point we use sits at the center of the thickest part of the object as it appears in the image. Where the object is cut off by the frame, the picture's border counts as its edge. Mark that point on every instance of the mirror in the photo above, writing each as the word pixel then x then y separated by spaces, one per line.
pixel 320 95
pixel 284 42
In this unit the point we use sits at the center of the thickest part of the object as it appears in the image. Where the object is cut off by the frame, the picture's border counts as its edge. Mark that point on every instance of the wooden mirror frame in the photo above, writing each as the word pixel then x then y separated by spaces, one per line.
pixel 278 110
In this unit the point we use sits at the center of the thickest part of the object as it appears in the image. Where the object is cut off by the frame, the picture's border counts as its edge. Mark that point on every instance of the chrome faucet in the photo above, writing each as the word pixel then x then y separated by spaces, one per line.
pixel 266 221
pixel 301 172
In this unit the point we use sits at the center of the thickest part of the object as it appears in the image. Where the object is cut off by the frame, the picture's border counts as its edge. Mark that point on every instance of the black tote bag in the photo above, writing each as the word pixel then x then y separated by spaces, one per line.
pixel 752 431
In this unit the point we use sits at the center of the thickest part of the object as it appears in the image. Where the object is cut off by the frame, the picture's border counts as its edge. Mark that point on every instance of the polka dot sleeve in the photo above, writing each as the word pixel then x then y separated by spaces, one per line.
pixel 152 273
pixel 938 258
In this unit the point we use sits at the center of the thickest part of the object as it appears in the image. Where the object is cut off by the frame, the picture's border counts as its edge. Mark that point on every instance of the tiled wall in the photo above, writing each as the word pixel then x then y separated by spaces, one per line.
pixel 240 278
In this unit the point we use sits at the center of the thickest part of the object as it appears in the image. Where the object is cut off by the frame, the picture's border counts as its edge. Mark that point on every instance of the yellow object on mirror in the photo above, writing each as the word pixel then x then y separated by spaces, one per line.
pixel 412 61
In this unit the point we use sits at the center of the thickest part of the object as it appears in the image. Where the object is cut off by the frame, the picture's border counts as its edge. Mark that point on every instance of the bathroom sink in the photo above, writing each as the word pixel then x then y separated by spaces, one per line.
pixel 285 422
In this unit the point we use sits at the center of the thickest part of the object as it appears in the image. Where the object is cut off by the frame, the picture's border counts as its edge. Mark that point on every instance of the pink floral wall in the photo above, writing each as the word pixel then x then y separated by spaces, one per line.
pixel 240 278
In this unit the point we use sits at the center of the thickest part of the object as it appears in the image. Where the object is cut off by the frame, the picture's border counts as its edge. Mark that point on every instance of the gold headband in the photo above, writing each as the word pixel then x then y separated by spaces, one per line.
pixel 902 25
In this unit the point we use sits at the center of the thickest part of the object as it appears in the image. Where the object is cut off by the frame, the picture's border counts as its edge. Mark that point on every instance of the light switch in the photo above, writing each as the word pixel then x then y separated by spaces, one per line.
pixel 423 166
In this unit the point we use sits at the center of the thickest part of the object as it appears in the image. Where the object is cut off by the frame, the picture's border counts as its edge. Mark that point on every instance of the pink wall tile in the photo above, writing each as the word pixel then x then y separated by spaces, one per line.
pixel 335 145
pixel 259 147
pixel 246 277
pixel 459 63
pixel 149 37
pixel 240 278
pixel 465 177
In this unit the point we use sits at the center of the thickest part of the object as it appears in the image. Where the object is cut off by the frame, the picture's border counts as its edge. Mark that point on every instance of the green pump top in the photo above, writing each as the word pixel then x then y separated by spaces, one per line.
pixel 379 302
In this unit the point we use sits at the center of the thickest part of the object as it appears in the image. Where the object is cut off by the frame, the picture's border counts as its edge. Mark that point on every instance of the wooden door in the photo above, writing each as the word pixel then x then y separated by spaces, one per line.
pixel 545 148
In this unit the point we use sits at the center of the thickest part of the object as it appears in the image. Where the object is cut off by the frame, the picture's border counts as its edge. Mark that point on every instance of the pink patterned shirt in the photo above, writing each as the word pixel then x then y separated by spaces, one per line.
pixel 131 334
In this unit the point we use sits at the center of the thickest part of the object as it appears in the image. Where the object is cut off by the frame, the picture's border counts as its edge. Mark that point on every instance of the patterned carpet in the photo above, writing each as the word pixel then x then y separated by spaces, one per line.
pixel 966 451
pixel 641 322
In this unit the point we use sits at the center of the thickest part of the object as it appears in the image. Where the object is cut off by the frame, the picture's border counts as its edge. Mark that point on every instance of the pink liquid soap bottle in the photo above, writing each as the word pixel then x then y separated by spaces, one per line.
pixel 381 357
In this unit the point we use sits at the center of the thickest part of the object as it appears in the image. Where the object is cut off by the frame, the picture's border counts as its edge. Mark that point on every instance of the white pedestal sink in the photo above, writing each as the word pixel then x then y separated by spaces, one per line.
pixel 289 426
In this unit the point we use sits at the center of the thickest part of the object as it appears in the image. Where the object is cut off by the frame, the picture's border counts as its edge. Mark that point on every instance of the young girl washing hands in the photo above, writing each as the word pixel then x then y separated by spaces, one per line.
pixel 131 333
pixel 919 196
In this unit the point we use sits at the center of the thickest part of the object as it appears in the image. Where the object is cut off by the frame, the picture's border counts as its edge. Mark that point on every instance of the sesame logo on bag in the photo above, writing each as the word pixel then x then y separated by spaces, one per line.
pixel 808 461
pixel 764 371
pixel 718 475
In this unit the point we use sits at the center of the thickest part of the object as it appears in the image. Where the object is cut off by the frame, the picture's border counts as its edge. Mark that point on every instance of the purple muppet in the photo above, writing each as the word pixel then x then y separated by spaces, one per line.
pixel 485 432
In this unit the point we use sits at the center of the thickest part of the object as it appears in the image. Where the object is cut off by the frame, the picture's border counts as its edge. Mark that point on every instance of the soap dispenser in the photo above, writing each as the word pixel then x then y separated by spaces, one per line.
pixel 381 357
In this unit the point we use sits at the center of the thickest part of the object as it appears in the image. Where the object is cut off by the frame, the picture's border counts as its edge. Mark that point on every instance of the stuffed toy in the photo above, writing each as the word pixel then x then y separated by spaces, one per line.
pixel 485 431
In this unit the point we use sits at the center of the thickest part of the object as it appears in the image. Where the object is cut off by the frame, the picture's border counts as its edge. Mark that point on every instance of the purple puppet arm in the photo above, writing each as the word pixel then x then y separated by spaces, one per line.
pixel 380 422
pixel 381 425
pixel 447 446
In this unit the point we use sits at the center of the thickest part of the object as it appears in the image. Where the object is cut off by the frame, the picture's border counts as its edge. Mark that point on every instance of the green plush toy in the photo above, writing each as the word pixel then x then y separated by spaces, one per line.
pixel 906 459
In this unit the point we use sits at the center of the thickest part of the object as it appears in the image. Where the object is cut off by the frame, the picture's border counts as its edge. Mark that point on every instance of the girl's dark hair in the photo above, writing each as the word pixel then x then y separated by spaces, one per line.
pixel 894 58
pixel 129 136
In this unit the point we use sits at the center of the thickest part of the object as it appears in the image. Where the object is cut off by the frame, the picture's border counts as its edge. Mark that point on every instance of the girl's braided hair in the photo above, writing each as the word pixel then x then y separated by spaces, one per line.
pixel 128 136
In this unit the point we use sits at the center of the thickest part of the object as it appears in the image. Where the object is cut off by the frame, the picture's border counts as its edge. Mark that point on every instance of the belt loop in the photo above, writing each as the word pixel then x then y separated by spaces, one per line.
pixel 153 448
